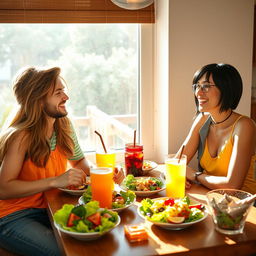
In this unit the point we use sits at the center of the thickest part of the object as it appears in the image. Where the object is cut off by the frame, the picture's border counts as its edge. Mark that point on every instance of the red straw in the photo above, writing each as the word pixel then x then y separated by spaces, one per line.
pixel 134 138
pixel 101 141
pixel 183 146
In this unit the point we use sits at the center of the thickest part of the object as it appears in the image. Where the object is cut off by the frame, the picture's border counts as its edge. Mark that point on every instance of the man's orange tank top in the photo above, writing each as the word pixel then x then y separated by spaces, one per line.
pixel 55 166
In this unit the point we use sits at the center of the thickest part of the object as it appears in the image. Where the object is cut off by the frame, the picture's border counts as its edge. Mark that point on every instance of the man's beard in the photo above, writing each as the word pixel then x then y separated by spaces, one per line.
pixel 54 113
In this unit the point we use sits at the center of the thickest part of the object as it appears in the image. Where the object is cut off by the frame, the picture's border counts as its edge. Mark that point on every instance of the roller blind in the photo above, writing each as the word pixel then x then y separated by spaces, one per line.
pixel 71 11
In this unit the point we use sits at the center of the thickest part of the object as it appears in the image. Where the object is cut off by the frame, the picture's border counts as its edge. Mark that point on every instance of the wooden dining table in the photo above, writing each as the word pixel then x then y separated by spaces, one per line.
pixel 198 239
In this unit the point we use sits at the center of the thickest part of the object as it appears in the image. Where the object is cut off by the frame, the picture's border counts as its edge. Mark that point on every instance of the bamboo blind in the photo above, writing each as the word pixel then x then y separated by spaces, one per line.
pixel 71 11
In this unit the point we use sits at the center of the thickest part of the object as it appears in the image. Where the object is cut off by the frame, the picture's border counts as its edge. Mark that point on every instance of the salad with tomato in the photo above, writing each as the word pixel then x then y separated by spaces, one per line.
pixel 170 210
pixel 142 183
pixel 86 218
pixel 119 199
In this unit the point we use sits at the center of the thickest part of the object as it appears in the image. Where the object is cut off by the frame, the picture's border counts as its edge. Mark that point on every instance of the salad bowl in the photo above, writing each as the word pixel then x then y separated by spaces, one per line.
pixel 138 184
pixel 85 236
pixel 178 225
pixel 86 226
pixel 121 199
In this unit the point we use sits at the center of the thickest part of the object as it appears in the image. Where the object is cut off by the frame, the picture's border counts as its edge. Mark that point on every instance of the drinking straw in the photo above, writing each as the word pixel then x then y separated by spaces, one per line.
pixel 183 146
pixel 134 138
pixel 101 141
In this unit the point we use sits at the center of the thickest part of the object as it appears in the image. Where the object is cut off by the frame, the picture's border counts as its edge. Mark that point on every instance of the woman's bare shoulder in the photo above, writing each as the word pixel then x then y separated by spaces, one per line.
pixel 245 126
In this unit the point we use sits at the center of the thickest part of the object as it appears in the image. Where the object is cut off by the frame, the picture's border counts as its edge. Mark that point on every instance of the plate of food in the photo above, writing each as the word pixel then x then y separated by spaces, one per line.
pixel 142 186
pixel 85 222
pixel 121 199
pixel 148 166
pixel 172 214
pixel 77 191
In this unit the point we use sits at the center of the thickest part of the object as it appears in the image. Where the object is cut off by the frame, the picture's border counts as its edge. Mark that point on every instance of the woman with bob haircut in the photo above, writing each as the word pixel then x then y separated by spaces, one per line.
pixel 224 139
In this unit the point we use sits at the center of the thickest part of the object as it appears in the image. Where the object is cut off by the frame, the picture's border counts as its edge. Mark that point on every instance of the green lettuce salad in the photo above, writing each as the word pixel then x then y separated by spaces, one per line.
pixel 120 199
pixel 85 218
pixel 142 183
pixel 170 210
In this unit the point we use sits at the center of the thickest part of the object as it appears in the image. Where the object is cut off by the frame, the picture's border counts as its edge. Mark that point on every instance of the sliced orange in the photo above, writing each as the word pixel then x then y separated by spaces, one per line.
pixel 176 220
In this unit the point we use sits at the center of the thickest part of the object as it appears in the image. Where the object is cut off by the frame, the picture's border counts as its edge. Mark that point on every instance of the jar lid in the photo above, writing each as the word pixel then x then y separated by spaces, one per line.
pixel 131 148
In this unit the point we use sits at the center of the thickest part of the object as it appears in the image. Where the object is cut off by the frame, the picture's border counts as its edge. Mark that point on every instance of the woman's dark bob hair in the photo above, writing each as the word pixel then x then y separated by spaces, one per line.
pixel 228 81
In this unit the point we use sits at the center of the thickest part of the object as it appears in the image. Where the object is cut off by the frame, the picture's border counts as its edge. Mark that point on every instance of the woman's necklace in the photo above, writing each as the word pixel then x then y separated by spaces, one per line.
pixel 213 122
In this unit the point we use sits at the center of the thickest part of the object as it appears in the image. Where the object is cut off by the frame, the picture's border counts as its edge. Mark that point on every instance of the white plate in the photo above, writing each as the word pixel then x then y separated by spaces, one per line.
pixel 152 165
pixel 171 226
pixel 81 201
pixel 85 236
pixel 144 193
pixel 77 192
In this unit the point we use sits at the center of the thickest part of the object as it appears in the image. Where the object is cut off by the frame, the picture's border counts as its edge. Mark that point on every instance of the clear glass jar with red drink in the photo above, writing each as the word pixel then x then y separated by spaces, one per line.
pixel 134 159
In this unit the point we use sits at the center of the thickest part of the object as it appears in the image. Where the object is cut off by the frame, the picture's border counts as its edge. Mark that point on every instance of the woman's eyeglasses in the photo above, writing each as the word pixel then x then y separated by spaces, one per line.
pixel 203 87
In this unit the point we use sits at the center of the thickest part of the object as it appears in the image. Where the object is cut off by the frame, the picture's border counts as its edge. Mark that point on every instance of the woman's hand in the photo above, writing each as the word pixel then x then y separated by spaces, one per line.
pixel 190 174
pixel 188 184
pixel 75 177
pixel 118 175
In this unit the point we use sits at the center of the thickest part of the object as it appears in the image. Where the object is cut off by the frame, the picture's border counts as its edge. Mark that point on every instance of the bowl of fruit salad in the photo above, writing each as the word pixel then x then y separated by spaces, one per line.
pixel 142 186
pixel 120 200
pixel 170 213
pixel 85 222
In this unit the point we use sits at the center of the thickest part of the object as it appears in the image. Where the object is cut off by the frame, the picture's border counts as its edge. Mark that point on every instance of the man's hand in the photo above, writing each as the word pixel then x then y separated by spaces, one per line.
pixel 75 177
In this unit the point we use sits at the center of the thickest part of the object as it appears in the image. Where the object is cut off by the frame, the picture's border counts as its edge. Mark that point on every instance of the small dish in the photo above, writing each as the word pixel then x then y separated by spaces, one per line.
pixel 85 236
pixel 143 193
pixel 76 192
pixel 148 166
pixel 173 226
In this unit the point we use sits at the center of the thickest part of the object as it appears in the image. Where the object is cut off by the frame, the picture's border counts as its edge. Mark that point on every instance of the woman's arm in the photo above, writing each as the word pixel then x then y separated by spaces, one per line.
pixel 12 187
pixel 244 143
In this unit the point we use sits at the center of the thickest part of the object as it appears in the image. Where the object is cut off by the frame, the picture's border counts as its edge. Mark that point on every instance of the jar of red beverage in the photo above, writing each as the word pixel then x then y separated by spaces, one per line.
pixel 134 159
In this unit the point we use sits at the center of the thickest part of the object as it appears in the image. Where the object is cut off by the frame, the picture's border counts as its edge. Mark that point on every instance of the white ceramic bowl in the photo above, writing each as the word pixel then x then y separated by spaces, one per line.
pixel 144 193
pixel 85 236
pixel 172 226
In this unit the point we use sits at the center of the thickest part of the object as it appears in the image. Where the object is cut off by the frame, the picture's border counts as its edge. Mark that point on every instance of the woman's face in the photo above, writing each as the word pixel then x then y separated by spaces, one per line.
pixel 208 99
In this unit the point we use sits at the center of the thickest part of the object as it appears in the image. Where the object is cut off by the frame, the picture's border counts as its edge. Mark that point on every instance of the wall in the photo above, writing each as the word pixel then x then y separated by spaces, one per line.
pixel 200 32
pixel 203 32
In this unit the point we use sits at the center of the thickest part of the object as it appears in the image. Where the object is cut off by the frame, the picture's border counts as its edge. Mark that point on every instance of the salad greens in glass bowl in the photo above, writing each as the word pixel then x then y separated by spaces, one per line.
pixel 170 213
pixel 85 222
pixel 121 199
pixel 142 186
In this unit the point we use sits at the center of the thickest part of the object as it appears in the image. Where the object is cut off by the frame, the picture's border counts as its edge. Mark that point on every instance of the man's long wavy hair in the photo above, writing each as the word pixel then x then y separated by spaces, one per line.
pixel 31 88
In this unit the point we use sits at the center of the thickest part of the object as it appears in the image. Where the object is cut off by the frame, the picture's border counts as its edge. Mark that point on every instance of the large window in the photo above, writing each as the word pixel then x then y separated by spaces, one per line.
pixel 101 65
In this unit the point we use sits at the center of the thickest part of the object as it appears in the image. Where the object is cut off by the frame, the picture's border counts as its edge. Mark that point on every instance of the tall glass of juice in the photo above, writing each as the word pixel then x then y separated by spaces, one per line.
pixel 134 159
pixel 102 186
pixel 106 159
pixel 175 176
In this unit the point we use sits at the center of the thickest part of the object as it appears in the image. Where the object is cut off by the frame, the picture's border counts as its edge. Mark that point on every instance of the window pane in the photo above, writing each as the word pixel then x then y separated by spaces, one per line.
pixel 100 64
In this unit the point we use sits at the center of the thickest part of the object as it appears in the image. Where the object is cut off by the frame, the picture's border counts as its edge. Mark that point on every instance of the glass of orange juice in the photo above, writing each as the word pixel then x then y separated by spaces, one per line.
pixel 106 159
pixel 102 186
pixel 175 175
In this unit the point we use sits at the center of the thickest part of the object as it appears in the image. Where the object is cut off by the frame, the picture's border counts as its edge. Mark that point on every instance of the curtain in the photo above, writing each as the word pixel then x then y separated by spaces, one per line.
pixel 71 11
